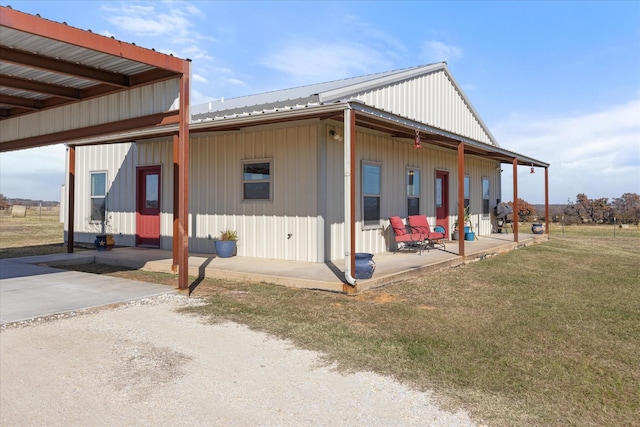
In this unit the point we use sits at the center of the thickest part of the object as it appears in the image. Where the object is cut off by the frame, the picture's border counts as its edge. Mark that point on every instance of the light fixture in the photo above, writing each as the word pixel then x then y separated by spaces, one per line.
pixel 336 136
pixel 416 141
pixel 532 170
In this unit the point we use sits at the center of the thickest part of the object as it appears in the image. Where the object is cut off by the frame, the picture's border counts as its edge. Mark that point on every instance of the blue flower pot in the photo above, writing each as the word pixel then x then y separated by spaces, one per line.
pixel 101 242
pixel 364 266
pixel 225 248
pixel 470 236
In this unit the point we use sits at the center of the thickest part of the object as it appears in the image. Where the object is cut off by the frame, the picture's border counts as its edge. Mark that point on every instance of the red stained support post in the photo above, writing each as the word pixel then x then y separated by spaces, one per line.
pixel 183 198
pixel 176 205
pixel 546 200
pixel 516 217
pixel 461 199
pixel 71 199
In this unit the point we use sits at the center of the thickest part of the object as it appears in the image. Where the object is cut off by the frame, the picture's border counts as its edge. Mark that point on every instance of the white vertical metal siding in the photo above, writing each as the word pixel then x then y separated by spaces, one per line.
pixel 282 228
pixel 431 99
pixel 141 101
pixel 117 160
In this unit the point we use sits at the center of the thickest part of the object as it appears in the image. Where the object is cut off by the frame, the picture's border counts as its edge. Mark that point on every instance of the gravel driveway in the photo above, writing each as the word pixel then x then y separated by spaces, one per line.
pixel 144 364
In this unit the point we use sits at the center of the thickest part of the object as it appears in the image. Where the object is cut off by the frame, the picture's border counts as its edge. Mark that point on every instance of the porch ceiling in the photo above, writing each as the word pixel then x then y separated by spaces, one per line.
pixel 46 65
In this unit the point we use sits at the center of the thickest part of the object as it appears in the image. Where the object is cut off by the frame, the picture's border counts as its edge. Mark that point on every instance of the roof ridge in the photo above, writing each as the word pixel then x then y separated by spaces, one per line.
pixel 348 81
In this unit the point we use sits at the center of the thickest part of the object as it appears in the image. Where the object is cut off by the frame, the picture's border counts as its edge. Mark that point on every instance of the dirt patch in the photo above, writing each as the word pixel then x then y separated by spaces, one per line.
pixel 377 297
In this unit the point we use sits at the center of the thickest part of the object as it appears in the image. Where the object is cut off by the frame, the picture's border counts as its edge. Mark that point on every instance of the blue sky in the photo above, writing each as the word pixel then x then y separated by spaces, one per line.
pixel 558 81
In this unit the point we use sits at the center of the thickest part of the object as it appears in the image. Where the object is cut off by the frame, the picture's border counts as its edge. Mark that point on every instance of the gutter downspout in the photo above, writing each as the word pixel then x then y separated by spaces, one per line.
pixel 349 190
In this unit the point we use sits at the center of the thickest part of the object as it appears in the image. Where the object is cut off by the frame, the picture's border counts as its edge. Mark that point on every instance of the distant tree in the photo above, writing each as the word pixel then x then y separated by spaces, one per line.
pixel 627 208
pixel 600 211
pixel 526 211
pixel 4 202
pixel 592 210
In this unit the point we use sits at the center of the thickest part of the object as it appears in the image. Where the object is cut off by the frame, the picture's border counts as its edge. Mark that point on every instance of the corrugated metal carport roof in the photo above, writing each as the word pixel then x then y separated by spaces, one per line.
pixel 46 64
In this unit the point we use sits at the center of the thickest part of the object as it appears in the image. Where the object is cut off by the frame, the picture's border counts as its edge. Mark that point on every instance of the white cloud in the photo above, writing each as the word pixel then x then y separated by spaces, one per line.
pixel 170 20
pixel 315 61
pixel 437 51
pixel 198 78
pixel 144 20
pixel 596 153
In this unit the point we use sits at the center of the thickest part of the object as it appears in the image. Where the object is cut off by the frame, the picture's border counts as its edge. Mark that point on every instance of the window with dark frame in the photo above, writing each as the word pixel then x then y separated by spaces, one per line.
pixel 413 191
pixel 485 196
pixel 256 180
pixel 98 196
pixel 371 191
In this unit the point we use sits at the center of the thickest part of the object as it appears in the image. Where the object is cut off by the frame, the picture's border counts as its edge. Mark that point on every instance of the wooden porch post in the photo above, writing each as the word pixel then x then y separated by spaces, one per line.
pixel 176 205
pixel 71 198
pixel 183 176
pixel 546 200
pixel 461 199
pixel 515 200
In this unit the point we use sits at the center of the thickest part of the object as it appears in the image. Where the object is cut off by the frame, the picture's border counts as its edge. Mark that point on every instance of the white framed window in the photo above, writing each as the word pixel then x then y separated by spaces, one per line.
pixel 413 191
pixel 371 193
pixel 485 195
pixel 256 179
pixel 467 191
pixel 98 196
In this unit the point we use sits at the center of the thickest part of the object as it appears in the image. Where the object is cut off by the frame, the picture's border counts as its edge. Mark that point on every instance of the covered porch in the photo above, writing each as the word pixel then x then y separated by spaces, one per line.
pixel 390 267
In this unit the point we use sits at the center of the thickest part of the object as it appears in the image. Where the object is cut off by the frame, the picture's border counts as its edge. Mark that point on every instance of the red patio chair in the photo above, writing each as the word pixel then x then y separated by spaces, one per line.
pixel 403 237
pixel 433 237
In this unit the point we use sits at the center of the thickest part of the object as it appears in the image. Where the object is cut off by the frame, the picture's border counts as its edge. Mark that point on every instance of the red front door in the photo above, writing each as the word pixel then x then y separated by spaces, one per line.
pixel 442 200
pixel 148 206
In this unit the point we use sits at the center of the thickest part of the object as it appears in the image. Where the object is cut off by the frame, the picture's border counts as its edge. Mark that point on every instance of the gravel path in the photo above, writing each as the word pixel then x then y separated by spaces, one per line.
pixel 145 364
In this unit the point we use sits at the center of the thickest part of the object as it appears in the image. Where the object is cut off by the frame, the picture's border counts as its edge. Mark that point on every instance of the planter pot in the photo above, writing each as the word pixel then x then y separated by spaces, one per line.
pixel 537 228
pixel 470 235
pixel 225 248
pixel 455 235
pixel 364 266
pixel 104 242
pixel 101 242
pixel 467 229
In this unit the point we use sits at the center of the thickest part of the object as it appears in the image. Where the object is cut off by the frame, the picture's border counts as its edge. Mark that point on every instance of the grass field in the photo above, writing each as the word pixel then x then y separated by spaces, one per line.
pixel 544 335
pixel 40 232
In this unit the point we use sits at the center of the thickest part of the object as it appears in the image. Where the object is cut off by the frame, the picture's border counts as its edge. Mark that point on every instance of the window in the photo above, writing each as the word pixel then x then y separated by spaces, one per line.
pixel 256 180
pixel 467 191
pixel 371 179
pixel 98 195
pixel 485 196
pixel 413 191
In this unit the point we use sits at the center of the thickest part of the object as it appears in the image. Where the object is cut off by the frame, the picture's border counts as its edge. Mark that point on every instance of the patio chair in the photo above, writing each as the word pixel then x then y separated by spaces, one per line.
pixel 403 238
pixel 433 237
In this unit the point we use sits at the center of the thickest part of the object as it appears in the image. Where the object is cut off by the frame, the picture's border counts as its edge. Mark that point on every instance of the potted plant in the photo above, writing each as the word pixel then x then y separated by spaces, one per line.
pixel 226 243
pixel 467 225
pixel 104 240
pixel 469 234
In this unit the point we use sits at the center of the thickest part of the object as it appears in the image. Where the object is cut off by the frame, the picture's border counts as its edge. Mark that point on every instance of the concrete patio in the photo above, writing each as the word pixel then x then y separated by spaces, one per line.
pixel 390 267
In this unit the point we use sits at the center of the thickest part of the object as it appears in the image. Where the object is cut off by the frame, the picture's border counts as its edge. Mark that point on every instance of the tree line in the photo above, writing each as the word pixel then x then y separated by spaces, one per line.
pixel 6 203
pixel 620 210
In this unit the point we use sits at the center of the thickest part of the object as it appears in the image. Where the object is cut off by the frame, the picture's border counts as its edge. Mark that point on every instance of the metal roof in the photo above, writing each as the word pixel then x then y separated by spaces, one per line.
pixel 323 93
pixel 38 70
pixel 320 92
